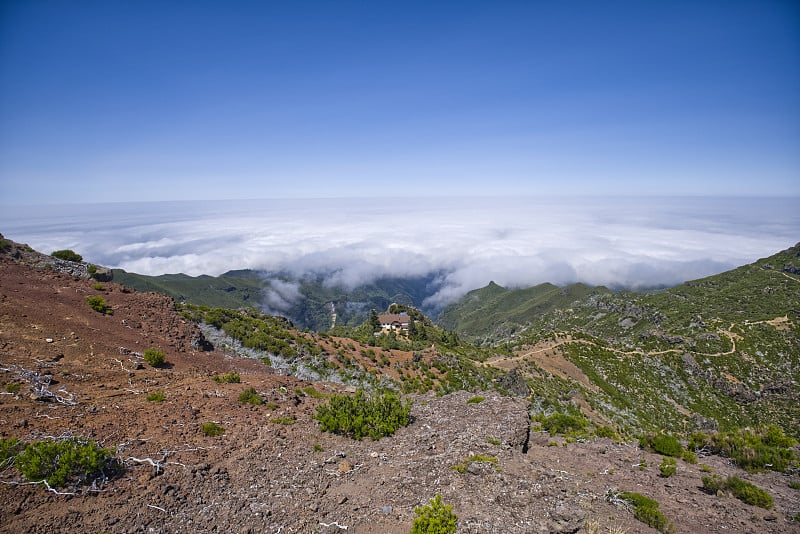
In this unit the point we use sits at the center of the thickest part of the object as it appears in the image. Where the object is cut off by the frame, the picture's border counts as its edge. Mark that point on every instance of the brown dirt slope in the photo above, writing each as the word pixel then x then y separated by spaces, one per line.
pixel 263 476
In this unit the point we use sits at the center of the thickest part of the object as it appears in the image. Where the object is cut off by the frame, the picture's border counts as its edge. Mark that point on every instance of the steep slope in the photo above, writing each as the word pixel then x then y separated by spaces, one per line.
pixel 494 312
pixel 723 350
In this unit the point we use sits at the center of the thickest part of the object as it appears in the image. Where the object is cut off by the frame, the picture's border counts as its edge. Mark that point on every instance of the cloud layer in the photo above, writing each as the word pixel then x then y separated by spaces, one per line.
pixel 619 242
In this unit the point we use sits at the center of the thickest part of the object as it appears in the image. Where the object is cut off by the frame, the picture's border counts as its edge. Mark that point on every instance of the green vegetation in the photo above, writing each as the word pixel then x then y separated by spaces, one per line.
pixel 249 396
pixel 646 510
pixel 476 400
pixel 12 388
pixel 68 255
pixel 9 448
pixel 794 485
pixel 98 286
pixel 668 466
pixel 98 304
pixel 155 357
pixel 358 415
pixel 493 441
pixel 228 378
pixel 212 429
pixel 752 449
pixel 434 518
pixel 155 396
pixel 288 420
pixel 561 423
pixel 313 393
pixel 741 489
pixel 665 444
pixel 462 467
pixel 69 461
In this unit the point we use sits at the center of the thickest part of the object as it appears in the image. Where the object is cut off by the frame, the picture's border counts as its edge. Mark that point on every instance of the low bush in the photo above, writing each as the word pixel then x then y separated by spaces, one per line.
pixel 13 388
pixel 155 357
pixel 98 286
pixel 561 423
pixel 434 518
pixel 668 466
pixel 665 444
pixel 68 255
pixel 156 396
pixel 358 415
pixel 9 448
pixel 752 449
pixel 249 396
pixel 476 400
pixel 98 304
pixel 646 510
pixel 228 378
pixel 741 489
pixel 212 429
pixel 69 461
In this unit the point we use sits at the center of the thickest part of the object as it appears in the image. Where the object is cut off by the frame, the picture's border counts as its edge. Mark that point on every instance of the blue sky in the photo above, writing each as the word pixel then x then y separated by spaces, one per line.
pixel 119 101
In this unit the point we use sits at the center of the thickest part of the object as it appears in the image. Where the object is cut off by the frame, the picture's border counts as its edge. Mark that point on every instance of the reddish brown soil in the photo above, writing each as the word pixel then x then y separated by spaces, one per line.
pixel 262 476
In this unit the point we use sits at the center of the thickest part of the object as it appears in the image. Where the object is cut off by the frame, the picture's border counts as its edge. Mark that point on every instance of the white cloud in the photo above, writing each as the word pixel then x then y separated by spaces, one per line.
pixel 631 242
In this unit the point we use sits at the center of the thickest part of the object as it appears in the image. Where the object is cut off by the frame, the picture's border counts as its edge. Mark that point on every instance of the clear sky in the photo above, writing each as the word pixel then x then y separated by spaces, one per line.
pixel 162 100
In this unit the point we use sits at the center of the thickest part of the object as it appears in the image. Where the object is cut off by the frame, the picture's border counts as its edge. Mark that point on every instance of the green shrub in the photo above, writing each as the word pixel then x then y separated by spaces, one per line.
pixel 434 518
pixel 62 462
pixel 212 429
pixel 794 485
pixel 228 378
pixel 12 388
pixel 689 457
pixel 249 396
pixel 662 444
pixel 311 392
pixel 68 255
pixel 92 270
pixel 605 432
pixel 646 510
pixel 156 396
pixel 98 304
pixel 560 423
pixel 9 448
pixel 98 286
pixel 155 357
pixel 493 441
pixel 751 449
pixel 359 415
pixel 741 489
pixel 476 400
pixel 668 466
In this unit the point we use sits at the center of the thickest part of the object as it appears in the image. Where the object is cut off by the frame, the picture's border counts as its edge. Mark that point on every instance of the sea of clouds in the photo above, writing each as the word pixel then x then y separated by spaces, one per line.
pixel 618 242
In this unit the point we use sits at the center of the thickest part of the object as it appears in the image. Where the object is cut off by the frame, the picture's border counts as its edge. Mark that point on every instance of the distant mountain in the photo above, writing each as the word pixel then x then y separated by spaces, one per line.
pixel 310 302
pixel 494 312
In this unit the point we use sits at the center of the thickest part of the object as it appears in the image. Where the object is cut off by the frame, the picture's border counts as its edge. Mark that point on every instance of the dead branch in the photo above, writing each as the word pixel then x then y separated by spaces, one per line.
pixel 334 524
pixel 156 507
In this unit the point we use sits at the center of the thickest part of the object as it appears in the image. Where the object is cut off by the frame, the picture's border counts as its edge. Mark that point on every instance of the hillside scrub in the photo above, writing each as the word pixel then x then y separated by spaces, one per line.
pixel 743 490
pixel 67 255
pixel 434 518
pixel 646 510
pixel 752 449
pixel 98 304
pixel 358 415
pixel 155 357
pixel 69 461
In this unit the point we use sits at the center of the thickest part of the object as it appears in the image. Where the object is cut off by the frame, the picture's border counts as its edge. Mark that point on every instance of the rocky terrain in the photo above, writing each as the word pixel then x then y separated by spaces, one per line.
pixel 273 470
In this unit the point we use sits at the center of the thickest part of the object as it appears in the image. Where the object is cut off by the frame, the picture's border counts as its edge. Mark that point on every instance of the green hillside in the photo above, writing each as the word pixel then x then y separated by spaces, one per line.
pixel 234 289
pixel 495 313
pixel 722 351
